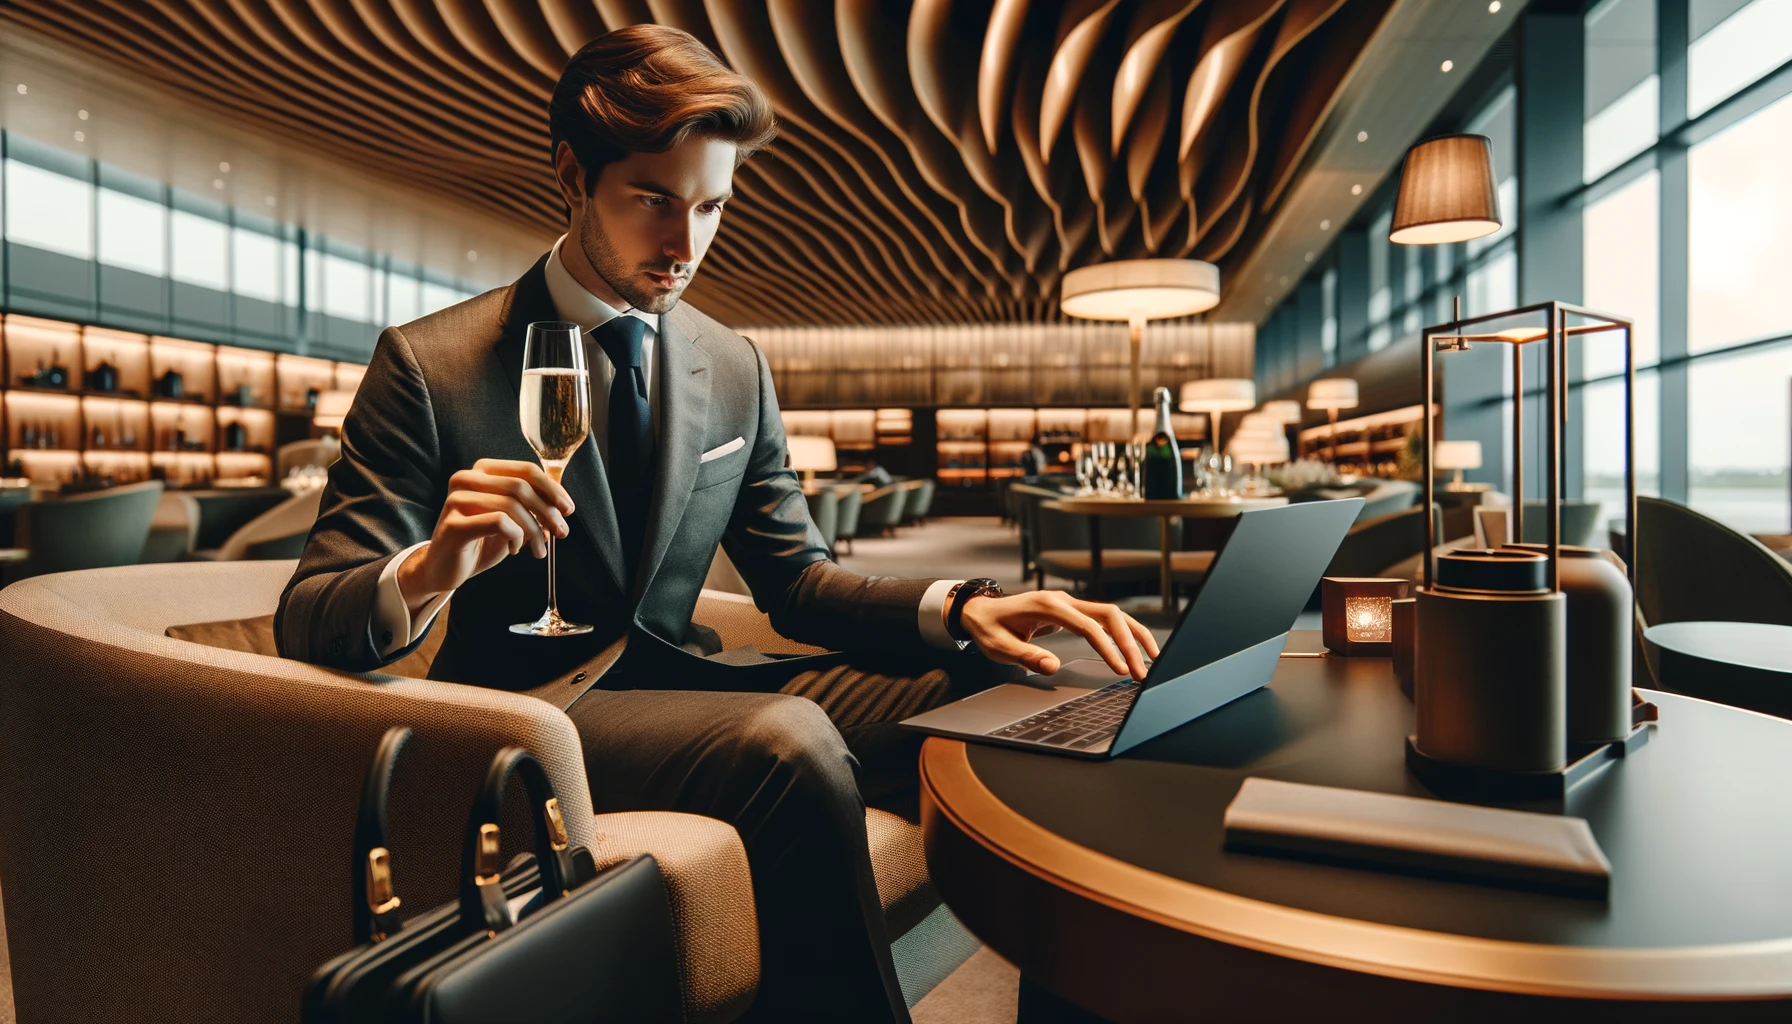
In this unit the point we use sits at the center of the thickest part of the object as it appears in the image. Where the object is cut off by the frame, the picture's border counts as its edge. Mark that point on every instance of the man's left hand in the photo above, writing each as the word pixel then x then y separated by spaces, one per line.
pixel 1004 627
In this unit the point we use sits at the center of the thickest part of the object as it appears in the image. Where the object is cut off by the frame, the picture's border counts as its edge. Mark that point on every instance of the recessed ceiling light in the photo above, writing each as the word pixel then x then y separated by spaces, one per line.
pixel 217 182
pixel 472 255
pixel 1447 65
pixel 80 136
pixel 272 201
pixel 1362 136
pixel 1494 8
pixel 1284 282
pixel 1310 257
pixel 1356 190
pixel 82 114
pixel 1325 225
pixel 224 165
pixel 1267 301
pixel 22 88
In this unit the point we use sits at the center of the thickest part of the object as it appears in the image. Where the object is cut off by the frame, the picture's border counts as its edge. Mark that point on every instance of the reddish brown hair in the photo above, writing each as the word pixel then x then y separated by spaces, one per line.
pixel 646 88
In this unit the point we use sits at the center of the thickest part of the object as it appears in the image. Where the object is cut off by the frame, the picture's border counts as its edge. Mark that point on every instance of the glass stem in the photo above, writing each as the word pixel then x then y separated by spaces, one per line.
pixel 553 582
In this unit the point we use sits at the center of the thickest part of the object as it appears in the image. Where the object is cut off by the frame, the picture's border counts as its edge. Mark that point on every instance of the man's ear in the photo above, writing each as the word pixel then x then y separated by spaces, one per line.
pixel 569 176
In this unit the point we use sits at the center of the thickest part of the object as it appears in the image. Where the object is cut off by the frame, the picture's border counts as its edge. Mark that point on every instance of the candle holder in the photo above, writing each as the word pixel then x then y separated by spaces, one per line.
pixel 1357 615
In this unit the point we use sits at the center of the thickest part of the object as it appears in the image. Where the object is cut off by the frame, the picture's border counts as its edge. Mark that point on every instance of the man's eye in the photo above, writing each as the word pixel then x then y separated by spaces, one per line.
pixel 654 200
pixel 709 207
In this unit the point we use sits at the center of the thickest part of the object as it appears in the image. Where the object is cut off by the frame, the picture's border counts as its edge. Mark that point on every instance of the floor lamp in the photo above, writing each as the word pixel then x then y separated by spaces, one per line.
pixel 1139 291
pixel 1217 396
pixel 1332 394
pixel 810 454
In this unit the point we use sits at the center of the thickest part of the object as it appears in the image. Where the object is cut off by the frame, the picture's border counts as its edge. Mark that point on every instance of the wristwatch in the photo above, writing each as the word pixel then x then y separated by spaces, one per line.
pixel 958 597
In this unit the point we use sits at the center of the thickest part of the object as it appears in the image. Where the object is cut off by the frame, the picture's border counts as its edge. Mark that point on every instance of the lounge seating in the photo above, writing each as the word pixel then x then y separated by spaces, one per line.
pixel 279 532
pixel 86 531
pixel 920 502
pixel 318 452
pixel 882 510
pixel 824 509
pixel 1691 568
pixel 1579 523
pixel 852 501
pixel 174 530
pixel 1131 549
pixel 206 796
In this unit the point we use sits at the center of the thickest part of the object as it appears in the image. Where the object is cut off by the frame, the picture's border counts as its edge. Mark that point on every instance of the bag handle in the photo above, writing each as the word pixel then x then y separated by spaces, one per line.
pixel 483 905
pixel 376 902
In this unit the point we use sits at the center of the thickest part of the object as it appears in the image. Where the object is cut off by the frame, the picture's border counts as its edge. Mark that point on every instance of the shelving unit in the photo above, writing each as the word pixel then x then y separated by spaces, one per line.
pixel 1369 444
pixel 138 428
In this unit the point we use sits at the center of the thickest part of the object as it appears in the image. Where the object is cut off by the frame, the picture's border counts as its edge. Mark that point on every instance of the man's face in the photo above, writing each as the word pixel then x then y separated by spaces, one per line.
pixel 648 218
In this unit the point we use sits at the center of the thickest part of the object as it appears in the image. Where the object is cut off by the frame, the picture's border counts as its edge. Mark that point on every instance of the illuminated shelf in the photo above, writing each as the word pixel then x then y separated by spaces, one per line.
pixel 213 378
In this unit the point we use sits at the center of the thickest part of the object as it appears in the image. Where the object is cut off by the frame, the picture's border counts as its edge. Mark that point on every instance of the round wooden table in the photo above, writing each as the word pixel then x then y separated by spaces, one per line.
pixel 1165 510
pixel 1108 885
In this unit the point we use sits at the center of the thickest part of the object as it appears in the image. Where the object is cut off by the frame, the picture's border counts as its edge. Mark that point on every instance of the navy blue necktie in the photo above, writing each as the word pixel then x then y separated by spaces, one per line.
pixel 630 434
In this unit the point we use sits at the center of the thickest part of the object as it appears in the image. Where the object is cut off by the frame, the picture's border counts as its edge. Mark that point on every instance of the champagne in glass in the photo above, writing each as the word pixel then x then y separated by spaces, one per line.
pixel 554 409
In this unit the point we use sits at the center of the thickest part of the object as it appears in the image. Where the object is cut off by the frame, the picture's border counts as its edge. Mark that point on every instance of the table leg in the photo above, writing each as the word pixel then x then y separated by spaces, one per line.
pixel 1167 574
pixel 1095 557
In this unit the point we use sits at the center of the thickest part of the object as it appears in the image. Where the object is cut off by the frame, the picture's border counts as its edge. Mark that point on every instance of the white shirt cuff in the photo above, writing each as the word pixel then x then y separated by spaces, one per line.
pixel 933 615
pixel 392 613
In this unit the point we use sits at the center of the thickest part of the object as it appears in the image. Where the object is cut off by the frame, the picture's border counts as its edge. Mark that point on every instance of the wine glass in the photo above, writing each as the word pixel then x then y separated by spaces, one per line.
pixel 1104 466
pixel 554 408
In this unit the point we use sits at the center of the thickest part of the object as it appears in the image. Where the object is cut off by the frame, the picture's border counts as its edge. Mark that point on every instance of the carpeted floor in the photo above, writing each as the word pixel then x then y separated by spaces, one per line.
pixel 982 991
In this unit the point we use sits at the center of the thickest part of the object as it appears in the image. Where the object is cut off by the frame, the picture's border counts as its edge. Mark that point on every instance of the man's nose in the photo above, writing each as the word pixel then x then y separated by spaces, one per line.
pixel 681 245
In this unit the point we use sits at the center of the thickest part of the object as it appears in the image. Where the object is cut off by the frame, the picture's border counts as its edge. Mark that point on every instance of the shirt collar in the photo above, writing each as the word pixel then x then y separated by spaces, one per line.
pixel 577 305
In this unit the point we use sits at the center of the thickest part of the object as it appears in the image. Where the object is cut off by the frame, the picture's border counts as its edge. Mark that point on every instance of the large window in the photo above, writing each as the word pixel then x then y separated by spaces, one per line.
pixel 1623 101
pixel 1740 232
pixel 201 250
pixel 1602 410
pixel 1738 427
pixel 1734 42
pixel 133 233
pixel 1621 273
pixel 48 211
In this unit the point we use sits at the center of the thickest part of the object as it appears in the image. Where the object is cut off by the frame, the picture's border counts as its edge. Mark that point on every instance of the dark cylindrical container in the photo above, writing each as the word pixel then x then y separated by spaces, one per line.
pixel 1490 666
pixel 1404 612
pixel 1601 619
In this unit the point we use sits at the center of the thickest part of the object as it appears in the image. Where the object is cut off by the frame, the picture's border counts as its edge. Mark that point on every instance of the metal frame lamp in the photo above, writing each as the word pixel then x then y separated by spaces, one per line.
pixel 810 454
pixel 1139 291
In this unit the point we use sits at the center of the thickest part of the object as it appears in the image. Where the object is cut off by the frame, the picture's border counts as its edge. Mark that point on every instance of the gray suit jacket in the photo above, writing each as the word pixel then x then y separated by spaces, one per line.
pixel 441 393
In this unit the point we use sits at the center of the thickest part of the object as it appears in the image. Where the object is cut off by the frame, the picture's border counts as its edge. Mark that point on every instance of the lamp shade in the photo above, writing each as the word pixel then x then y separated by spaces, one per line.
pixel 1447 192
pixel 1284 410
pixel 1150 289
pixel 332 407
pixel 1219 394
pixel 811 454
pixel 1457 455
pixel 1332 393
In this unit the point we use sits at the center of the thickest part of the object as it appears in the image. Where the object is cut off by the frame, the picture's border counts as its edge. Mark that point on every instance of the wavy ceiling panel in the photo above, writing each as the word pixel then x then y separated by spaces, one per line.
pixel 940 160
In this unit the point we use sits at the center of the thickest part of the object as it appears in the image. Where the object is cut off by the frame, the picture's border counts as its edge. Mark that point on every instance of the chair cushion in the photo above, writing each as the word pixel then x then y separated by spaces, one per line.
pixel 256 636
pixel 900 864
pixel 705 868
pixel 1116 564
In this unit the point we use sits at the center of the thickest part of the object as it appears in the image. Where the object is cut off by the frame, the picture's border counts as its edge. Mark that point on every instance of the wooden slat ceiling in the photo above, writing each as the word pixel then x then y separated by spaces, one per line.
pixel 940 160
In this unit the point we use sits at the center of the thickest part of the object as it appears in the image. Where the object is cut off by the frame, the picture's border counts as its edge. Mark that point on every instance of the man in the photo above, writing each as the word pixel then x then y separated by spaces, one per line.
pixel 436 490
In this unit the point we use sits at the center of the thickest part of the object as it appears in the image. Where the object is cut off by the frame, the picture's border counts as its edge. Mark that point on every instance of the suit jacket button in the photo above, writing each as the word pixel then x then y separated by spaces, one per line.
pixel 578 678
pixel 386 638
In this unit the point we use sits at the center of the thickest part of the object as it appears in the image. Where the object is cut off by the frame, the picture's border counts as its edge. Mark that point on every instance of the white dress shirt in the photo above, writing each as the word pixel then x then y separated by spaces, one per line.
pixel 394 626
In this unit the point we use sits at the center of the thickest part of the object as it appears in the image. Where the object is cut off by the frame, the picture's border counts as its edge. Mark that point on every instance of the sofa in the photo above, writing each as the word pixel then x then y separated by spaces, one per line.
pixel 175 819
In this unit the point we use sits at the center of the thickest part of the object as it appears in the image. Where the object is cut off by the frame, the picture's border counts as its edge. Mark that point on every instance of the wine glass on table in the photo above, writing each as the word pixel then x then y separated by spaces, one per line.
pixel 555 410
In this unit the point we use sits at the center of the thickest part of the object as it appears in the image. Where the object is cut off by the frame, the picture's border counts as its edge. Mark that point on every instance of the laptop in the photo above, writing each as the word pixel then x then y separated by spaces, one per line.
pixel 1225 646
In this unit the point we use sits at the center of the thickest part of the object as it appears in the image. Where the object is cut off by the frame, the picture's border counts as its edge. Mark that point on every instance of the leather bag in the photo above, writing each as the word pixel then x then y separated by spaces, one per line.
pixel 590 949
pixel 351 989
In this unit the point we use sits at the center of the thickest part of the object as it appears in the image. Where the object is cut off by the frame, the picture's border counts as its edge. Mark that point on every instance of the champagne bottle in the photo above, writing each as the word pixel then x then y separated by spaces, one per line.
pixel 1163 459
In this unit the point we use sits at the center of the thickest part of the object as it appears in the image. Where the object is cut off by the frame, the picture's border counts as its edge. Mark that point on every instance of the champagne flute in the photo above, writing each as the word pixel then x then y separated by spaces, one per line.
pixel 555 411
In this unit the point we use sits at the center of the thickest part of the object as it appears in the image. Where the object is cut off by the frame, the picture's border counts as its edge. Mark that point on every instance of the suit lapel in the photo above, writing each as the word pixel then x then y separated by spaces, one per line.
pixel 684 385
pixel 584 478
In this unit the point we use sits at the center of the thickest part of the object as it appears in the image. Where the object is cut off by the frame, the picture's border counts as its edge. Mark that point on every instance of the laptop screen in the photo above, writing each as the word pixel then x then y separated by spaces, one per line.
pixel 1258 583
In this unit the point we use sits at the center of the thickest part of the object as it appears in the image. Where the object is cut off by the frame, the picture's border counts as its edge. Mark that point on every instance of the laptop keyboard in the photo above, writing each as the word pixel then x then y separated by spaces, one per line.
pixel 1077 724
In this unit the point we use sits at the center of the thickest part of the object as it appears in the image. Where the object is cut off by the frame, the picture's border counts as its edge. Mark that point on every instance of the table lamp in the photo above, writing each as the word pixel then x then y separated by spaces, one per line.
pixel 1259 441
pixel 1332 394
pixel 1217 396
pixel 331 409
pixel 1138 291
pixel 809 454
pixel 1285 411
pixel 1457 455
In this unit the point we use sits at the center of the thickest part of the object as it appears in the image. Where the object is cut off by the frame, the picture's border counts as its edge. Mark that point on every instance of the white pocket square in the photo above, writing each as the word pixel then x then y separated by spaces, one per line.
pixel 724 449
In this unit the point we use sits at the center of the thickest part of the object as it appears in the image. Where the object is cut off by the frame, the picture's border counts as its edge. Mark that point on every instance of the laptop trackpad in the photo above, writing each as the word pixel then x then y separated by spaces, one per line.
pixel 1001 705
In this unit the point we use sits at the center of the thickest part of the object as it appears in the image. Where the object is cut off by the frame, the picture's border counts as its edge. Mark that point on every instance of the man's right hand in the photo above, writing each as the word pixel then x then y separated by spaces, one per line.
pixel 494 510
